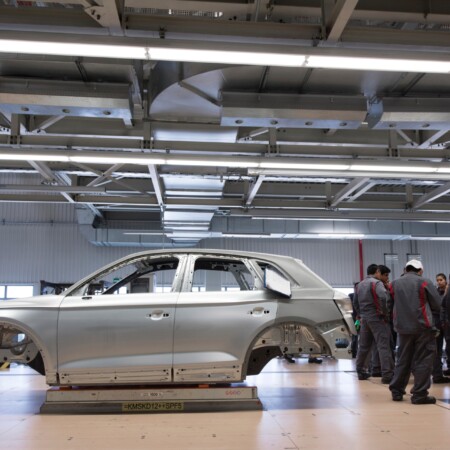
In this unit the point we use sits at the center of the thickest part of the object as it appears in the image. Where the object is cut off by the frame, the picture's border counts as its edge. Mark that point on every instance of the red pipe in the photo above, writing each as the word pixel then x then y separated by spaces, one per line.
pixel 361 261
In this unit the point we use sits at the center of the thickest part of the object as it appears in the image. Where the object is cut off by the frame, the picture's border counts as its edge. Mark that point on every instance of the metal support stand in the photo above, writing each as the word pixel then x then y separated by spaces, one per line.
pixel 151 400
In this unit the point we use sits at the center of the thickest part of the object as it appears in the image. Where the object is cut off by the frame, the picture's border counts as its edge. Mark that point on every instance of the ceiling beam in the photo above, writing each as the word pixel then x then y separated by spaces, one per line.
pixel 157 185
pixel 43 124
pixel 347 190
pixel 195 90
pixel 292 111
pixel 431 139
pixel 53 188
pixel 340 16
pixel 430 196
pixel 63 98
pixel 275 214
pixel 362 191
pixel 105 175
pixel 109 177
pixel 43 169
pixel 253 190
pixel 108 15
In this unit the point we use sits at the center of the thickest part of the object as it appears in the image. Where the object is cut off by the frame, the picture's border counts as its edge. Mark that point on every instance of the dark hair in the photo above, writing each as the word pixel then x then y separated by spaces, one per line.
pixel 412 269
pixel 371 270
pixel 384 269
pixel 442 276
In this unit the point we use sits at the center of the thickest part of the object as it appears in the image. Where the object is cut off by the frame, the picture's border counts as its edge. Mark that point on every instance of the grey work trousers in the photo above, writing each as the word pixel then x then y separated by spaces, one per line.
pixel 437 363
pixel 415 354
pixel 377 331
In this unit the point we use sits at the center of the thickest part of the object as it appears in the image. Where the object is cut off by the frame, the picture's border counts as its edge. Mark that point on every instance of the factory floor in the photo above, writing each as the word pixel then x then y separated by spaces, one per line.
pixel 305 406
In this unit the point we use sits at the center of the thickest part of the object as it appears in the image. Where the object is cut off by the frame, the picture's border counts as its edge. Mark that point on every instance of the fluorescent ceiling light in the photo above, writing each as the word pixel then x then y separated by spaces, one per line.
pixel 32 157
pixel 255 235
pixel 132 159
pixel 391 168
pixel 340 236
pixel 146 233
pixel 434 238
pixel 212 162
pixel 72 49
pixel 232 53
pixel 303 166
pixel 226 57
pixel 255 165
pixel 378 64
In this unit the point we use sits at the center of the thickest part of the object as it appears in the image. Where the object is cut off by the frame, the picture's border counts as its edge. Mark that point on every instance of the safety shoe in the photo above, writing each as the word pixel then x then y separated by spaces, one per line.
pixel 363 376
pixel 386 380
pixel 376 374
pixel 428 400
pixel 289 358
pixel 397 397
pixel 441 380
pixel 313 360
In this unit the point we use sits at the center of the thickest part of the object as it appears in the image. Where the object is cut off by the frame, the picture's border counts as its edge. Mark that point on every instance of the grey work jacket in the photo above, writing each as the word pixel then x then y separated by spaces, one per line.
pixel 415 299
pixel 372 299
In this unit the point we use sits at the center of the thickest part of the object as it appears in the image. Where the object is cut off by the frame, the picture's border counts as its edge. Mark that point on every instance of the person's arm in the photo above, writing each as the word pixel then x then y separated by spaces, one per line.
pixel 434 299
pixel 390 300
pixel 444 308
pixel 383 296
pixel 355 302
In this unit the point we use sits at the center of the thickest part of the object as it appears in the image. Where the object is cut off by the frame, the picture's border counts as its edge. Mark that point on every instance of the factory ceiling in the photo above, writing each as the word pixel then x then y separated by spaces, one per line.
pixel 185 120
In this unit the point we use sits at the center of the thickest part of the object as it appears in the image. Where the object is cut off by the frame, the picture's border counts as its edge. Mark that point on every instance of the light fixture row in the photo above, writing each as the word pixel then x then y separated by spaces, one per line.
pixel 257 165
pixel 227 53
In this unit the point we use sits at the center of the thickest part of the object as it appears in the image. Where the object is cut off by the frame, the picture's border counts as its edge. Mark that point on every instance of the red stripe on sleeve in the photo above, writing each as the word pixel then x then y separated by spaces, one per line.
pixel 375 298
pixel 391 290
pixel 423 303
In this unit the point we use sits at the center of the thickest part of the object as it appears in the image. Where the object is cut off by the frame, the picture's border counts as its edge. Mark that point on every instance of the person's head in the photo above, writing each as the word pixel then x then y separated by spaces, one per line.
pixel 414 266
pixel 372 269
pixel 441 280
pixel 384 273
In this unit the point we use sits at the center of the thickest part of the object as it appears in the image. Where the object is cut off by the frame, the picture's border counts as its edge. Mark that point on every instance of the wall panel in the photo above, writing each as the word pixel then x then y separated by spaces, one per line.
pixel 56 253
pixel 335 261
pixel 59 253
pixel 37 213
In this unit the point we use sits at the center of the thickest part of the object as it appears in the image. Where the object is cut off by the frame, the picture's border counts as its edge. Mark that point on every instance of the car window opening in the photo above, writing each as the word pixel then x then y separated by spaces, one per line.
pixel 138 276
pixel 221 275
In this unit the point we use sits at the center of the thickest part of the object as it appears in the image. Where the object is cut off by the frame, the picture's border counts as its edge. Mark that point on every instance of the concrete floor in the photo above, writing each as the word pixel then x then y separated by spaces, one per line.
pixel 306 406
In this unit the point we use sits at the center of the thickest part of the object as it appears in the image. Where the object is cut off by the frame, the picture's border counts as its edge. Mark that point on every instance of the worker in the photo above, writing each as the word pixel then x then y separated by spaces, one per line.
pixel 415 299
pixel 372 300
pixel 438 320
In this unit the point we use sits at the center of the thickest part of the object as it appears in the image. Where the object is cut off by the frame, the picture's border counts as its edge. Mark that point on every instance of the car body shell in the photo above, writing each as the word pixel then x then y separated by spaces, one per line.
pixel 184 334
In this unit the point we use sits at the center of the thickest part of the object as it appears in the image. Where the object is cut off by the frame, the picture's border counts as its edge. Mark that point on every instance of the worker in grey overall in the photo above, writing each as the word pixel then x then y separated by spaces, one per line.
pixel 372 298
pixel 415 300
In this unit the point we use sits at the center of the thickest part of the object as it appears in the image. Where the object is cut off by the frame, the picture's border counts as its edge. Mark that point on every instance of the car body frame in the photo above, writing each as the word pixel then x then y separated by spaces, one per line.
pixel 185 316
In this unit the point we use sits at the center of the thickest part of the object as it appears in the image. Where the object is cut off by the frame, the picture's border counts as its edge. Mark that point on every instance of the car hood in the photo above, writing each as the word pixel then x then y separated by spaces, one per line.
pixel 44 301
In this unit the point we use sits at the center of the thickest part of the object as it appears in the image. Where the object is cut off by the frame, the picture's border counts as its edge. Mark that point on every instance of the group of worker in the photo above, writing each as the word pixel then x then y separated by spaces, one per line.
pixel 403 325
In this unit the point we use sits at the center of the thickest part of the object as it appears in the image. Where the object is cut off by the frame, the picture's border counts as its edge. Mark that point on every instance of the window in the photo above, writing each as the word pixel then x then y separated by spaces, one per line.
pixel 10 291
pixel 140 275
pixel 216 274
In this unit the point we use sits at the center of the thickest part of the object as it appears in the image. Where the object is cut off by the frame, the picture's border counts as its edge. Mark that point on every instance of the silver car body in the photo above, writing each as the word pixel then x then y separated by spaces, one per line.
pixel 197 328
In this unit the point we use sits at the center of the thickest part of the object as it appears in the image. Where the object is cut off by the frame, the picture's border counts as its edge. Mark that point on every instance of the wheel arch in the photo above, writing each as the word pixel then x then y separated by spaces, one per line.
pixel 284 336
pixel 17 327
